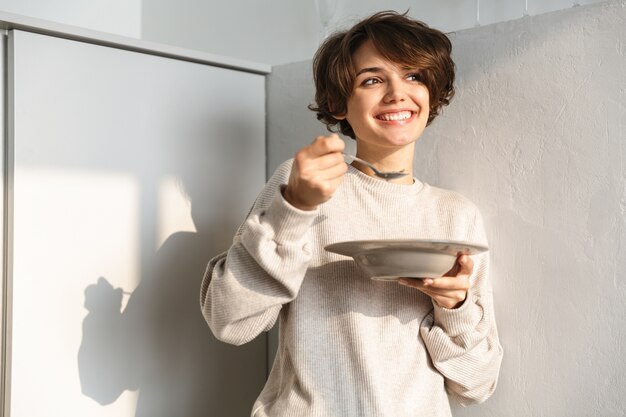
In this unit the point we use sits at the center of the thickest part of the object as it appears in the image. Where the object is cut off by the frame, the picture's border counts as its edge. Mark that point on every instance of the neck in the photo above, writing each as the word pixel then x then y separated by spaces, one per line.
pixel 387 159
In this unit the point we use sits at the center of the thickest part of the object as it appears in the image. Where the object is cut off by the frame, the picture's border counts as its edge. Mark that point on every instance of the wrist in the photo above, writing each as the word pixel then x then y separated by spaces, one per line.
pixel 295 202
pixel 451 305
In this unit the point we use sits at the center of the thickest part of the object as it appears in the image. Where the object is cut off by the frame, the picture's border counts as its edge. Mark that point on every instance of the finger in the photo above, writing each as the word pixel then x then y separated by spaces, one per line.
pixel 411 282
pixel 326 144
pixel 309 159
pixel 444 298
pixel 460 282
pixel 317 177
pixel 444 294
pixel 462 261
pixel 466 264
pixel 420 284
pixel 335 172
pixel 326 161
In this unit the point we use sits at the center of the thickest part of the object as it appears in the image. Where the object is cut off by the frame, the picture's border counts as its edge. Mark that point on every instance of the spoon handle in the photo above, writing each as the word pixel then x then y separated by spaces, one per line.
pixel 385 175
pixel 354 158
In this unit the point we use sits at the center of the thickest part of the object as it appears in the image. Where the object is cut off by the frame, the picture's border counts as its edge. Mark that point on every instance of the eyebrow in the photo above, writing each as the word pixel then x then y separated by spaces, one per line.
pixel 368 69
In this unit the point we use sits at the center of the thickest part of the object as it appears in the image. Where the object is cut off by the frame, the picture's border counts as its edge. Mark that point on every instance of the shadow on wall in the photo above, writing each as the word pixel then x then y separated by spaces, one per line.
pixel 160 344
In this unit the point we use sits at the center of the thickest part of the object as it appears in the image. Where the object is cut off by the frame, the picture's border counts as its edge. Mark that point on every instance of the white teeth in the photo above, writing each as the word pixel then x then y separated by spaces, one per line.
pixel 403 115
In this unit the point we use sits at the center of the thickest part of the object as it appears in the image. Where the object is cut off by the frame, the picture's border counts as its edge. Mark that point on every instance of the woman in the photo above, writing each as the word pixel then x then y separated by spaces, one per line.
pixel 350 346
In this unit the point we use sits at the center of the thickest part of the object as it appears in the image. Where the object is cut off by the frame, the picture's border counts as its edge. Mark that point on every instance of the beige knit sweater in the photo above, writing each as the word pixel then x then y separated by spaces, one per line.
pixel 348 345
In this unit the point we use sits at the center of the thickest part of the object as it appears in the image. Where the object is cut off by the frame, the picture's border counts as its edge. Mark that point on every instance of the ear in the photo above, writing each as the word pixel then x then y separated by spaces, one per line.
pixel 331 109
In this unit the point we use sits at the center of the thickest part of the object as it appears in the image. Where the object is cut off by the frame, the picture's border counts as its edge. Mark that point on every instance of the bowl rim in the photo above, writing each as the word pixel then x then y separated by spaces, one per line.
pixel 453 247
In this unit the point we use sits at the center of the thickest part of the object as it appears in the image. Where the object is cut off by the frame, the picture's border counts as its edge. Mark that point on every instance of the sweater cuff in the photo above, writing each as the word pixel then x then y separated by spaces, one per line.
pixel 289 223
pixel 458 321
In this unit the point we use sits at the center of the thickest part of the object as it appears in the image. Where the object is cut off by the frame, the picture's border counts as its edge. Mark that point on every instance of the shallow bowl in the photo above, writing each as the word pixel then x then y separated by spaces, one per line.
pixel 393 259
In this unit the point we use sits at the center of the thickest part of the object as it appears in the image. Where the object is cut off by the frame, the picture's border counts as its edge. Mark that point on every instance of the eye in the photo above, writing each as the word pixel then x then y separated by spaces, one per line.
pixel 414 77
pixel 370 81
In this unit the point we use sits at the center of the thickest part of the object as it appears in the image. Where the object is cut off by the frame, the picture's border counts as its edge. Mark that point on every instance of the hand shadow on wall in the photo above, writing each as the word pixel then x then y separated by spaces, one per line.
pixel 160 344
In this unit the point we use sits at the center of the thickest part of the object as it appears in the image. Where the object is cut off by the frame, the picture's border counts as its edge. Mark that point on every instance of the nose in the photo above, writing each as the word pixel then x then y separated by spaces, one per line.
pixel 395 92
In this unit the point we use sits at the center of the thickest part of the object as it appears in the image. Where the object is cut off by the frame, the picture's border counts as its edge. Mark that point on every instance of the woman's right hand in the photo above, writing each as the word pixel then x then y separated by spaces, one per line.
pixel 316 173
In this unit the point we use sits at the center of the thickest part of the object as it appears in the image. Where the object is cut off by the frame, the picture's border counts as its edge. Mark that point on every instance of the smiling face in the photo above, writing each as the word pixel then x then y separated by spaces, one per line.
pixel 389 106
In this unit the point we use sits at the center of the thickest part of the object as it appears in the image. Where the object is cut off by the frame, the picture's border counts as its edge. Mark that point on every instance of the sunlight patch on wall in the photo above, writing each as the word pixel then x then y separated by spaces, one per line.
pixel 174 210
pixel 71 229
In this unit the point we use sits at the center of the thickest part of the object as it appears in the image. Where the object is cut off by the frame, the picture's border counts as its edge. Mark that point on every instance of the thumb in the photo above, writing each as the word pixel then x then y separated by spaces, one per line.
pixel 467 265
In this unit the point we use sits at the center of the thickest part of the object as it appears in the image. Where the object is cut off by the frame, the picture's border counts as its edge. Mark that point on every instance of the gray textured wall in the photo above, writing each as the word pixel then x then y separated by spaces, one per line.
pixel 536 137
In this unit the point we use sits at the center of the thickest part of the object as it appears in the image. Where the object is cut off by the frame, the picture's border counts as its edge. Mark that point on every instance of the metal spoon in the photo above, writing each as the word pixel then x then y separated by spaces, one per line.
pixel 390 175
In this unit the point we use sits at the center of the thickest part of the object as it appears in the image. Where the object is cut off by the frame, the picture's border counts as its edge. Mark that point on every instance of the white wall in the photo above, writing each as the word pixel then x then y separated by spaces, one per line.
pixel 121 17
pixel 536 137
pixel 272 32
pixel 117 202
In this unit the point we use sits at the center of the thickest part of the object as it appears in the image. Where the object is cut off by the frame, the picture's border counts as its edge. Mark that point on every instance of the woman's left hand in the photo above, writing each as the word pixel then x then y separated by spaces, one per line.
pixel 449 291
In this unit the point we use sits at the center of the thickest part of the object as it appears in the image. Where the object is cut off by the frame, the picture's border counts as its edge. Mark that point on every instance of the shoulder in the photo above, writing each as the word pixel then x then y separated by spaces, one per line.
pixel 281 174
pixel 455 213
pixel 449 200
pixel 273 185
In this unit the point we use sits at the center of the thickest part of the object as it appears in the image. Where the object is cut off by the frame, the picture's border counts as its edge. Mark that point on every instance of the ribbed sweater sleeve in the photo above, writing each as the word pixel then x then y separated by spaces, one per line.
pixel 244 289
pixel 463 343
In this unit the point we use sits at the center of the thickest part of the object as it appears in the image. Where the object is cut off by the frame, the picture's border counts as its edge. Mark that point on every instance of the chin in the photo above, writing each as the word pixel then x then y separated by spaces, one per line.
pixel 393 143
pixel 390 140
pixel 403 141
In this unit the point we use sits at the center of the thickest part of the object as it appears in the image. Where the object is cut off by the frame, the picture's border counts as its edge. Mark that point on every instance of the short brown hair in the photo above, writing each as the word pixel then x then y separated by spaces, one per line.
pixel 399 39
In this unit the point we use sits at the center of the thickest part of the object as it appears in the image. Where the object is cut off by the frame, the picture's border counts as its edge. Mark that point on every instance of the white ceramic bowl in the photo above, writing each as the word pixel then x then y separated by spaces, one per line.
pixel 393 259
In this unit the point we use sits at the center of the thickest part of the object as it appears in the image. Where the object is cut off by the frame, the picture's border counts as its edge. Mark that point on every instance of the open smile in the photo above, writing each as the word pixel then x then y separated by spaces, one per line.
pixel 402 116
